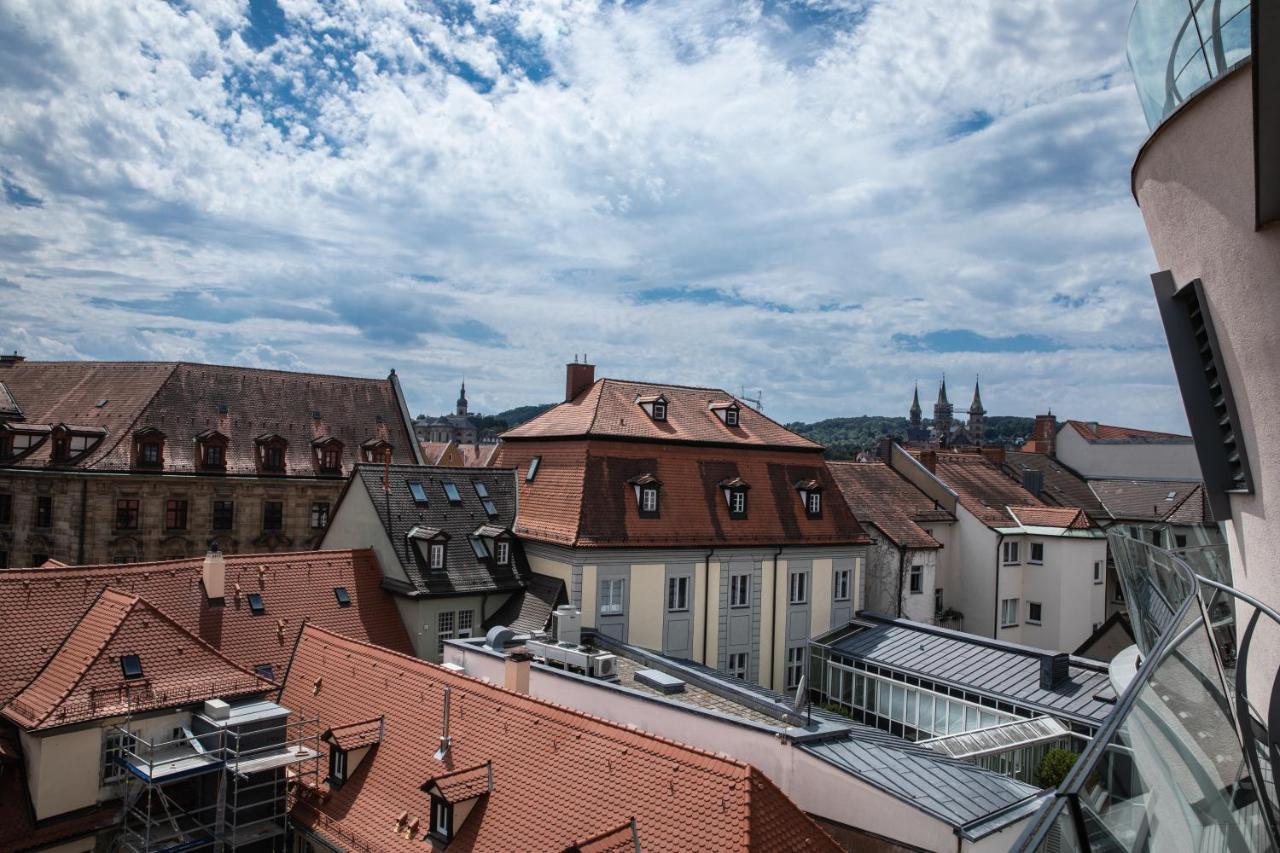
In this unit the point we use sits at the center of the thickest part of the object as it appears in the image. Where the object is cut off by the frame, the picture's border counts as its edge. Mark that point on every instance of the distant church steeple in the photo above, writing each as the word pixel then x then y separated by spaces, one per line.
pixel 916 411
pixel 977 427
pixel 943 414
pixel 462 400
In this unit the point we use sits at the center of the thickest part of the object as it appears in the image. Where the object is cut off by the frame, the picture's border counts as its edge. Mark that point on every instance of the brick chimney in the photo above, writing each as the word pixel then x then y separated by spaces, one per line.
pixel 214 573
pixel 1043 434
pixel 517 672
pixel 884 449
pixel 578 377
pixel 929 459
pixel 8 360
pixel 994 454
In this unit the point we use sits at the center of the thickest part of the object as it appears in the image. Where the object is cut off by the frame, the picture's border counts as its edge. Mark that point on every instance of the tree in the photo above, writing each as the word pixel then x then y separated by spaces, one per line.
pixel 1055 766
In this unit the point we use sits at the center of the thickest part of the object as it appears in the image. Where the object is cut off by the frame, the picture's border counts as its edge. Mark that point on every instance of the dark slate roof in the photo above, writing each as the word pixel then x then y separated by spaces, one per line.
pixel 954 791
pixel 530 610
pixel 1142 500
pixel 464 572
pixel 1062 486
pixel 1003 670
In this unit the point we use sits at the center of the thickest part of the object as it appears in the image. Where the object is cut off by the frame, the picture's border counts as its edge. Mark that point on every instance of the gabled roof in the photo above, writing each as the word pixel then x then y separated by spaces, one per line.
pixel 1066 517
pixel 982 487
pixel 1192 509
pixel 84 679
pixel 609 409
pixel 1143 500
pixel 1097 433
pixel 184 400
pixel 437 452
pixel 355 735
pixel 1061 485
pixel 602 774
pixel 584 495
pixel 478 455
pixel 461 785
pixel 400 514
pixel 39 607
pixel 530 609
pixel 880 496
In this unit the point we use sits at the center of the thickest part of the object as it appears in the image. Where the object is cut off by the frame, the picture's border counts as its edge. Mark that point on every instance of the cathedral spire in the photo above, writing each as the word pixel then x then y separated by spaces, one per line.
pixel 942 392
pixel 916 411
pixel 975 408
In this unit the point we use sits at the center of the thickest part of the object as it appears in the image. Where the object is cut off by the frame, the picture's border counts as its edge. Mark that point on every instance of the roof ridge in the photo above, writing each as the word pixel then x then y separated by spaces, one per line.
pixel 17 572
pixel 198 639
pixel 101 453
pixel 488 686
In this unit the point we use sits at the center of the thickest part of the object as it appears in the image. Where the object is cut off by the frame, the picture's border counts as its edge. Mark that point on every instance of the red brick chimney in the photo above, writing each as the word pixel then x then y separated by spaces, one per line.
pixel 994 454
pixel 1043 434
pixel 578 377
pixel 929 459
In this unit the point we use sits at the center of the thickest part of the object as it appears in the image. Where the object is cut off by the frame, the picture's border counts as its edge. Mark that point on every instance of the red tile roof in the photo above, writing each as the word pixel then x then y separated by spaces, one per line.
pixel 600 774
pixel 460 785
pixel 609 408
pixel 1066 517
pixel 982 488
pixel 39 607
pixel 478 455
pixel 1091 431
pixel 84 679
pixel 182 400
pixel 433 452
pixel 582 496
pixel 355 735
pixel 880 496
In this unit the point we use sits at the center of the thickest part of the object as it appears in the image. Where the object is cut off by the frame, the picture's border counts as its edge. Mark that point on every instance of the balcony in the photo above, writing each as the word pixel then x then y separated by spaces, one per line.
pixel 1177 47
pixel 1185 760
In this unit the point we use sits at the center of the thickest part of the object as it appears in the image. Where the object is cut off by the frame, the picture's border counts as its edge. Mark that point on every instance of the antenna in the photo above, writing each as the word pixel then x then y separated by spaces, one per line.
pixel 756 402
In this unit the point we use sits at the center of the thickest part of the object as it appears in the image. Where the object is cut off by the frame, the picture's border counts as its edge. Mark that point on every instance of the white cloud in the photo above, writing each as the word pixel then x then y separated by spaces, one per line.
pixel 552 162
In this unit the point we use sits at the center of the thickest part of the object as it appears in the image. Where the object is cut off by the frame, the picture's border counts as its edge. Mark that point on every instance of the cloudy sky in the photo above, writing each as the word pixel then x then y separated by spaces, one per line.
pixel 827 200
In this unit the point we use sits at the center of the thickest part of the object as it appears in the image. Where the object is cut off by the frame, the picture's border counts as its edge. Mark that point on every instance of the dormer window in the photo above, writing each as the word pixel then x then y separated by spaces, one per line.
pixel 377 450
pixel 271 453
pixel 211 450
pixel 735 497
pixel 810 497
pixel 503 557
pixel 655 406
pixel 16 444
pixel 430 543
pixel 328 455
pixel 437 555
pixel 71 442
pixel 441 819
pixel 727 411
pixel 148 448
pixel 453 797
pixel 646 488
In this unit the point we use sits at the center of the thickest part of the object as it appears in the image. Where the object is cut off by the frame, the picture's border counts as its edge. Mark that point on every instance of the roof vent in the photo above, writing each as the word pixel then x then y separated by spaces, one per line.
pixel 216 709
pixel 1033 481
pixel 1054 670
pixel 446 742
pixel 499 637
pixel 100 403
pixel 660 681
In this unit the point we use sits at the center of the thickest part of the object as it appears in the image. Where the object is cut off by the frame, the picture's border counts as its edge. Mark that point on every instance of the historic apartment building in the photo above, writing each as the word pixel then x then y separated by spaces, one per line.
pixel 105 462
pixel 683 521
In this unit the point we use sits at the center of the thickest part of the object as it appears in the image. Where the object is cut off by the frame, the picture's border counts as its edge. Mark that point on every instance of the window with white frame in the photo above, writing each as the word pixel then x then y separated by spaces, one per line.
pixel 795 666
pixel 466 621
pixel 1098 573
pixel 799 590
pixel 444 629
pixel 649 499
pixel 916 584
pixel 440 818
pixel 737 667
pixel 815 503
pixel 114 746
pixel 677 594
pixel 1008 612
pixel 1037 553
pixel 740 590
pixel 437 555
pixel 1010 552
pixel 884 701
pixel 1034 612
pixel 738 502
pixel 611 592
pixel 841 584
pixel 731 416
pixel 504 552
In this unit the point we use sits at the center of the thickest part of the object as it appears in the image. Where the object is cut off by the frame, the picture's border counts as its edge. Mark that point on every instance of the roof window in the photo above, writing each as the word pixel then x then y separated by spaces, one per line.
pixel 344 598
pixel 481 489
pixel 810 497
pixel 131 666
pixel 419 493
pixel 646 487
pixel 265 670
pixel 451 492
pixel 728 411
pixel 256 607
pixel 477 545
pixel 533 469
pixel 654 405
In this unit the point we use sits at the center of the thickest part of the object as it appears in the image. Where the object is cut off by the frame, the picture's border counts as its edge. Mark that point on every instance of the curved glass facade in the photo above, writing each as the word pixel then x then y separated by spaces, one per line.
pixel 1185 761
pixel 1176 47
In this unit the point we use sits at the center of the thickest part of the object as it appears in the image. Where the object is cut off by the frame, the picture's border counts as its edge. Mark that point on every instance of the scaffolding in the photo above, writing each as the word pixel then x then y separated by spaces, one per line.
pixel 222 783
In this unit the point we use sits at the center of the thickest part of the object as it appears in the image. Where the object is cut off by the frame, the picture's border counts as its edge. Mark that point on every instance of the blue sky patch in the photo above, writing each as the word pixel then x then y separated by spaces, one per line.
pixel 966 340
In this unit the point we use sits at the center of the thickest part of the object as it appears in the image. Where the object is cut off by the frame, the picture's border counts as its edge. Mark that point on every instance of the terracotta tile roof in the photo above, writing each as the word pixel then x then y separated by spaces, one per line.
pixel 461 785
pixel 355 735
pixel 880 496
pixel 1104 433
pixel 609 408
pixel 1066 517
pixel 582 495
pixel 400 514
pixel 982 488
pixel 38 607
pixel 621 839
pixel 434 452
pixel 602 774
pixel 85 678
pixel 182 400
pixel 477 455
pixel 1142 500
pixel 1062 486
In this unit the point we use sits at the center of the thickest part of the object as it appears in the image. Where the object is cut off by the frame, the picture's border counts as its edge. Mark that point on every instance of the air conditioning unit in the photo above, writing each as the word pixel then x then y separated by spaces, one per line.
pixel 566 625
pixel 581 659
pixel 604 666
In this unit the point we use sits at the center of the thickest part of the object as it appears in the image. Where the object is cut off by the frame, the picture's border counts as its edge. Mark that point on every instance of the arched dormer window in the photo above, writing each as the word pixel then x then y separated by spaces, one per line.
pixel 735 497
pixel 148 448
pixel 654 405
pixel 272 449
pixel 328 455
pixel 211 450
pixel 646 488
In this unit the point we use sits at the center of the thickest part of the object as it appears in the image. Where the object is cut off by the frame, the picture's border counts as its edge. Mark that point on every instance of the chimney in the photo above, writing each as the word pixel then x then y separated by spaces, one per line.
pixel 446 740
pixel 994 454
pixel 884 448
pixel 517 675
pixel 1054 669
pixel 1044 432
pixel 12 359
pixel 578 377
pixel 929 459
pixel 214 573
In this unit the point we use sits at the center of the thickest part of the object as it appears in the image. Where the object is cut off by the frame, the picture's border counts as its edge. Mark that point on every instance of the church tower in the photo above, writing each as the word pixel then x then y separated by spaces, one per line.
pixel 462 401
pixel 977 427
pixel 943 415
pixel 916 412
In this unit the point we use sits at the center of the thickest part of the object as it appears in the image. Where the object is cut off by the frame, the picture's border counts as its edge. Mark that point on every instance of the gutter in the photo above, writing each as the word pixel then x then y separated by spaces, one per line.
pixel 773 634
pixel 84 499
pixel 995 618
pixel 706 602
pixel 902 568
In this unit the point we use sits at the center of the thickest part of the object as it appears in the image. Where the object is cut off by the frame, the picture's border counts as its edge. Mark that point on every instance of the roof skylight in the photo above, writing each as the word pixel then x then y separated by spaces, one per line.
pixel 419 493
pixel 344 598
pixel 256 607
pixel 131 666
pixel 451 492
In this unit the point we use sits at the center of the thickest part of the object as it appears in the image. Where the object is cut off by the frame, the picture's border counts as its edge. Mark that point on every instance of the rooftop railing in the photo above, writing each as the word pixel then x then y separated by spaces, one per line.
pixel 1177 47
pixel 1185 760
